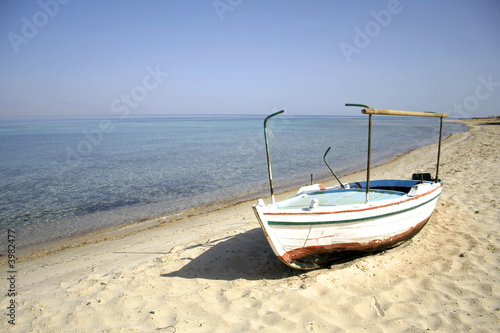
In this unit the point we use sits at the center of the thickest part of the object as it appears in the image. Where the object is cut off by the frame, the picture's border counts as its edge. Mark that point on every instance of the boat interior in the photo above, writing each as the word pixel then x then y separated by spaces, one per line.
pixel 315 196
pixel 399 185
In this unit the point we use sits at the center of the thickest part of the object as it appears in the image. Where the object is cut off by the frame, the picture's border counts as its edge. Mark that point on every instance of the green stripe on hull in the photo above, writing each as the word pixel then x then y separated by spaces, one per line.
pixel 353 220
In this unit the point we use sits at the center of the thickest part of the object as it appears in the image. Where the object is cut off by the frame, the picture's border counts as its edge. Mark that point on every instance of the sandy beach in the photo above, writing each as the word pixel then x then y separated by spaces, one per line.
pixel 215 272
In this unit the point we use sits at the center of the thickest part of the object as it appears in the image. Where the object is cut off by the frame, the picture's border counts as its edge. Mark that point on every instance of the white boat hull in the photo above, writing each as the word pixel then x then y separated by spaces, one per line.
pixel 309 237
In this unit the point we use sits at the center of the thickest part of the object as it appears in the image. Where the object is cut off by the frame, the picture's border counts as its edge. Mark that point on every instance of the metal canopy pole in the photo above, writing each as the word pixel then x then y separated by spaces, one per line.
pixel 369 144
pixel 368 159
pixel 439 148
pixel 267 152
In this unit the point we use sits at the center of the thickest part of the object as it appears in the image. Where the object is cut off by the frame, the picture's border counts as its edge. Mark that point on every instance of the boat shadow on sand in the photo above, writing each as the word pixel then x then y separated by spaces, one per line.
pixel 243 256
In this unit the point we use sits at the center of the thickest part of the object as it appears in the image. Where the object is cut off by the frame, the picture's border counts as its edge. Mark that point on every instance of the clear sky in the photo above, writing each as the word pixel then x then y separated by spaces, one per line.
pixel 62 57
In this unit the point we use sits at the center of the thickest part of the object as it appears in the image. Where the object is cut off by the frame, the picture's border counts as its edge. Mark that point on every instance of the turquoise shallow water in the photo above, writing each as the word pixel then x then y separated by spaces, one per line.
pixel 62 177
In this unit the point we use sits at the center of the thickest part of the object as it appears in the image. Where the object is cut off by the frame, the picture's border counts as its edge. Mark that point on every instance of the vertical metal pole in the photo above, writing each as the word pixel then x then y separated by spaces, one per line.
pixel 267 152
pixel 369 156
pixel 439 148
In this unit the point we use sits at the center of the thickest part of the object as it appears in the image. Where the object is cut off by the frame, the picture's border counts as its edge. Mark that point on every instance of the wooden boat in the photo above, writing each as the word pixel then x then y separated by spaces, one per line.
pixel 320 224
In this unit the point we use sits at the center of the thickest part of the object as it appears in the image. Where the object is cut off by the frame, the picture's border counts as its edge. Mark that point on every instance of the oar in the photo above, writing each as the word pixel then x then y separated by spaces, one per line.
pixel 328 165
pixel 267 152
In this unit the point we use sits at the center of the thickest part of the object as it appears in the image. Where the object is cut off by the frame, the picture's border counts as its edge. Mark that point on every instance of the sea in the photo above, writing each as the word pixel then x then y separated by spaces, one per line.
pixel 69 177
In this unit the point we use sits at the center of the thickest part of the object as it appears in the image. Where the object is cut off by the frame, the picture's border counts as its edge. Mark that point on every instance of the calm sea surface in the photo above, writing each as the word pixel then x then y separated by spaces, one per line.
pixel 66 177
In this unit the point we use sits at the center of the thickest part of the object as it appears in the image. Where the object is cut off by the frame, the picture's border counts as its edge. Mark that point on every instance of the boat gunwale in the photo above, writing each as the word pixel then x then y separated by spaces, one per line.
pixel 332 190
pixel 397 202
pixel 373 217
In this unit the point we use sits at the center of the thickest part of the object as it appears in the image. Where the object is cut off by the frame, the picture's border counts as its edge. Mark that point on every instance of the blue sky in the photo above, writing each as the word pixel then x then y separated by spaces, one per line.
pixel 62 57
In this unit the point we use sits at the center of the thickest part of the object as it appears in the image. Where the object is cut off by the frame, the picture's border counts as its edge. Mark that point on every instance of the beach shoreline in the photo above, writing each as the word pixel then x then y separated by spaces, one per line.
pixel 215 271
pixel 62 243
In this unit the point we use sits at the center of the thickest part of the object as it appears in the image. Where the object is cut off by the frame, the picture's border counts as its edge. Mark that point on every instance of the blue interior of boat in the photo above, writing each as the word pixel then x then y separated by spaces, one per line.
pixel 338 198
pixel 399 185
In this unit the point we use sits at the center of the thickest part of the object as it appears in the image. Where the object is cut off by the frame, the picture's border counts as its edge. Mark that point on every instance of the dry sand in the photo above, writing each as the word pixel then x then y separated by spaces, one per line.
pixel 215 272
